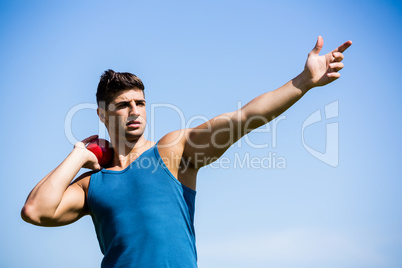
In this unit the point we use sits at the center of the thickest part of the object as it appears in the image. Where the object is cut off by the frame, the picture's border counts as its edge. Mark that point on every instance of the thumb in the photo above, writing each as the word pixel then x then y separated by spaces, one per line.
pixel 318 45
pixel 97 167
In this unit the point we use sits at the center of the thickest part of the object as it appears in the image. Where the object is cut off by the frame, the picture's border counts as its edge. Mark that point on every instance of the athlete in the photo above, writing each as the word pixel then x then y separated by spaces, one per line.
pixel 142 205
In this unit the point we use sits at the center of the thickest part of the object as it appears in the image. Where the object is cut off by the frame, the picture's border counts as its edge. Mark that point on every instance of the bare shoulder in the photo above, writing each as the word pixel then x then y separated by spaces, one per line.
pixel 171 148
pixel 174 140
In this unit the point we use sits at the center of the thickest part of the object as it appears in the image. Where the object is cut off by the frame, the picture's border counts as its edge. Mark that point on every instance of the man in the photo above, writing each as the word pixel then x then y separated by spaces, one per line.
pixel 142 205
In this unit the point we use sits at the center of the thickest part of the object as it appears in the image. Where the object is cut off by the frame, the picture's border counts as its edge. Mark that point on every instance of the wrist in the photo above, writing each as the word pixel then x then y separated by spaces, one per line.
pixel 81 155
pixel 302 82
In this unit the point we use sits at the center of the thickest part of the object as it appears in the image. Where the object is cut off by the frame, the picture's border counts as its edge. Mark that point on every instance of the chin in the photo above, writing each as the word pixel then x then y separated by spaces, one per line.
pixel 133 135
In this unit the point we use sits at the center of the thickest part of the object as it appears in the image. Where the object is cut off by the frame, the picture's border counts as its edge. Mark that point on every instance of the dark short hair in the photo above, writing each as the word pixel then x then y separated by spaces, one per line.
pixel 112 82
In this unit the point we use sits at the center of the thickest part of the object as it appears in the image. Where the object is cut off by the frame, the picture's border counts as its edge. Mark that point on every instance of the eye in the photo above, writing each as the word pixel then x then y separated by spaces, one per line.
pixel 122 105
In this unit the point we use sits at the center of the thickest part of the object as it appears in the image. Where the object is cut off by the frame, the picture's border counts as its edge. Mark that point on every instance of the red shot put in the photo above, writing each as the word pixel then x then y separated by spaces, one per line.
pixel 103 151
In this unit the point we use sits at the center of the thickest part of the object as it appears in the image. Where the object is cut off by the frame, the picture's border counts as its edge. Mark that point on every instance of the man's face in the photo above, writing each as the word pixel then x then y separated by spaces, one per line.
pixel 125 117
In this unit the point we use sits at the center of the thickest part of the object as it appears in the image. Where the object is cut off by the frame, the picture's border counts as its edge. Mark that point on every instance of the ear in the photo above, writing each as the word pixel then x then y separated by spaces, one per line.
pixel 102 114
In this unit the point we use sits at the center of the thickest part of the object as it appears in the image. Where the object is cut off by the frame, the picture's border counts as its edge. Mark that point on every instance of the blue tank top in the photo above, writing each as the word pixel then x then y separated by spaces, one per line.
pixel 143 216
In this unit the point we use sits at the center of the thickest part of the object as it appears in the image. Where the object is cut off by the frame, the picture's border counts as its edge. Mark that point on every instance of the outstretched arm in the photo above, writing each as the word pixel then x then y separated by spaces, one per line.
pixel 207 142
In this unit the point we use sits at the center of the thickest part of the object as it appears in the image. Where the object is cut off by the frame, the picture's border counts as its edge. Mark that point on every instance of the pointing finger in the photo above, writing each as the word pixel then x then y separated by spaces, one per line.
pixel 343 47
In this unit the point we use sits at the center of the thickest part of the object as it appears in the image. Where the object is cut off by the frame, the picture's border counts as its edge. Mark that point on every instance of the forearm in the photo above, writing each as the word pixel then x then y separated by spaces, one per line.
pixel 46 196
pixel 267 106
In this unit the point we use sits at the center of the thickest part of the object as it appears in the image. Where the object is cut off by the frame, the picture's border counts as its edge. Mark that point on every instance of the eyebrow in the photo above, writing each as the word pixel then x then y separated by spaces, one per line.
pixel 127 101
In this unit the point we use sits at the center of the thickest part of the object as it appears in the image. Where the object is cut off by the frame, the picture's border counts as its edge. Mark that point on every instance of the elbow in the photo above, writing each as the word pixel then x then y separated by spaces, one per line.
pixel 27 213
pixel 30 215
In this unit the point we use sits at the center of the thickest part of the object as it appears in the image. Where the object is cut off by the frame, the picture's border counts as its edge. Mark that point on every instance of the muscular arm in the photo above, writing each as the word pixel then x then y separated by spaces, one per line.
pixel 206 143
pixel 55 200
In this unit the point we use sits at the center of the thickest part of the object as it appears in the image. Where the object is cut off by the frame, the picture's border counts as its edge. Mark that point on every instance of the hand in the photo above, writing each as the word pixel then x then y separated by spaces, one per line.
pixel 322 70
pixel 91 160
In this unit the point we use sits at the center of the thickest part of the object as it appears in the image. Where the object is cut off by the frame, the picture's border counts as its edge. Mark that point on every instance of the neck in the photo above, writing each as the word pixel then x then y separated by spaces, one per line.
pixel 126 151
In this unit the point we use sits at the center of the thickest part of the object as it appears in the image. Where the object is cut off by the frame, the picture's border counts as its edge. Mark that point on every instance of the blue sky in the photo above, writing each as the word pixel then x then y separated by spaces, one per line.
pixel 203 59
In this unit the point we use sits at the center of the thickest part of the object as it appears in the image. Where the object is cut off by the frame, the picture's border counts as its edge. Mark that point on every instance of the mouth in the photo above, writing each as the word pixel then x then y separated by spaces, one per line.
pixel 133 124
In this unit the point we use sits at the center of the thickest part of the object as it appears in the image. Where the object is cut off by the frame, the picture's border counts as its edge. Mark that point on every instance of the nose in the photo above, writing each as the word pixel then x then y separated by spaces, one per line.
pixel 134 109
